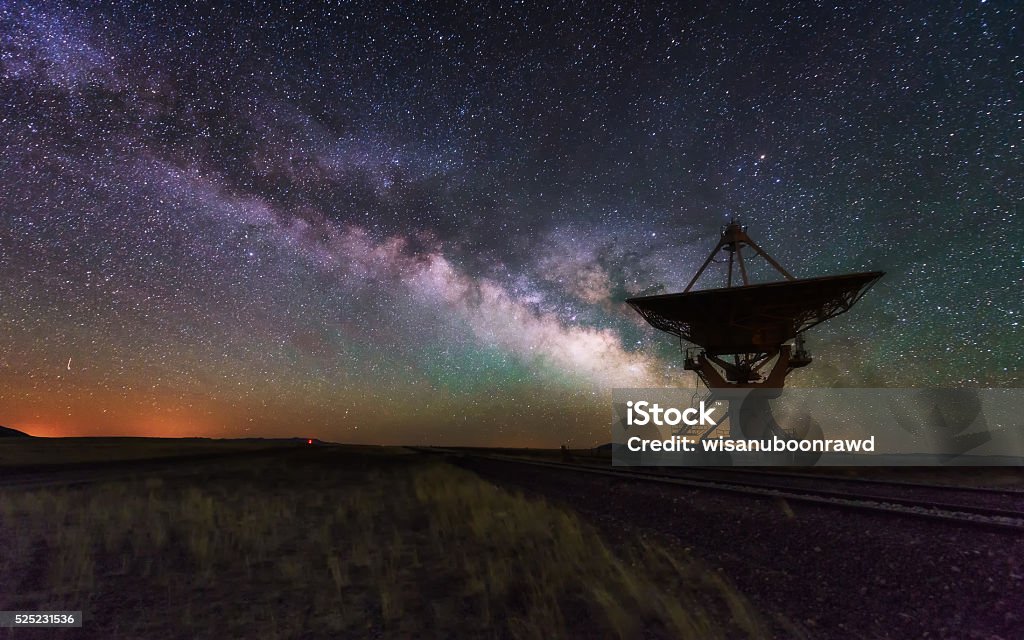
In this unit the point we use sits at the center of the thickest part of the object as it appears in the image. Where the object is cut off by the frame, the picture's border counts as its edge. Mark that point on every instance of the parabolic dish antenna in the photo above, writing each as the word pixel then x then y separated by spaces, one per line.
pixel 753 318
pixel 739 330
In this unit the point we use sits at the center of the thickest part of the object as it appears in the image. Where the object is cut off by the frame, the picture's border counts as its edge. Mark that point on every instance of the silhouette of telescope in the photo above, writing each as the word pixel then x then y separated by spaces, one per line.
pixel 741 329
pixel 753 318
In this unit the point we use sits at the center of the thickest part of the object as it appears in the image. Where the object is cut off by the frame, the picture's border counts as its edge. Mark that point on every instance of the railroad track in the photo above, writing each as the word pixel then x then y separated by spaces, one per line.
pixel 868 482
pixel 980 500
pixel 931 508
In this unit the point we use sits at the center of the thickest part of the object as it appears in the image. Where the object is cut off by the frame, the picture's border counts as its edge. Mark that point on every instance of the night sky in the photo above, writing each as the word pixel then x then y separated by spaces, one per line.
pixel 415 223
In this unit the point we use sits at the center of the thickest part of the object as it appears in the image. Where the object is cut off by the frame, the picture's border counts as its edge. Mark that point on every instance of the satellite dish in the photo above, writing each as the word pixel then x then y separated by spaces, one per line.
pixel 739 330
pixel 753 318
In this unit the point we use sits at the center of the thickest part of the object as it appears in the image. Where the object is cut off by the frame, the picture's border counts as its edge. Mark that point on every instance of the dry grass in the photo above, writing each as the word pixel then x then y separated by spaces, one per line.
pixel 384 546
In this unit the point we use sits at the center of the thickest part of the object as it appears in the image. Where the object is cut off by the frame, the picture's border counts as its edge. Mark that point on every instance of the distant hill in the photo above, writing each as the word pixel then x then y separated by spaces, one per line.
pixel 12 433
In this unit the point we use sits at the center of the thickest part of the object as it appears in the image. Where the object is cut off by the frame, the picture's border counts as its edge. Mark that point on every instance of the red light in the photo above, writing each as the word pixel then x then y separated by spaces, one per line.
pixel 310 441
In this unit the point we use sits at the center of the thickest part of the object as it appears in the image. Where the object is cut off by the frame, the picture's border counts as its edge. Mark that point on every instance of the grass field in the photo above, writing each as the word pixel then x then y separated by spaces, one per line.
pixel 340 543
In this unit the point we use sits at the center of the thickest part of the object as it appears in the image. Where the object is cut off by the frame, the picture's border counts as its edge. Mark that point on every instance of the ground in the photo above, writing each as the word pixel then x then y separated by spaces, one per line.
pixel 294 541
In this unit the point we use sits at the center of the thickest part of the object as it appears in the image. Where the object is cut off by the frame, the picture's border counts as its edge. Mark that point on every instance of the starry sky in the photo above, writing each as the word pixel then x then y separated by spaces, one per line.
pixel 417 222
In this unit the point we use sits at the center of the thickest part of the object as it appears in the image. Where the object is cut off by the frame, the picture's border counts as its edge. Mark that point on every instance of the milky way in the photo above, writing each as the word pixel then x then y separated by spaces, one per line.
pixel 380 222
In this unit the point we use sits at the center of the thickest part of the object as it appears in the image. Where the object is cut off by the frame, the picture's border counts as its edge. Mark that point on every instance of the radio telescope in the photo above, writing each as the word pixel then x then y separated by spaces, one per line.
pixel 741 329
